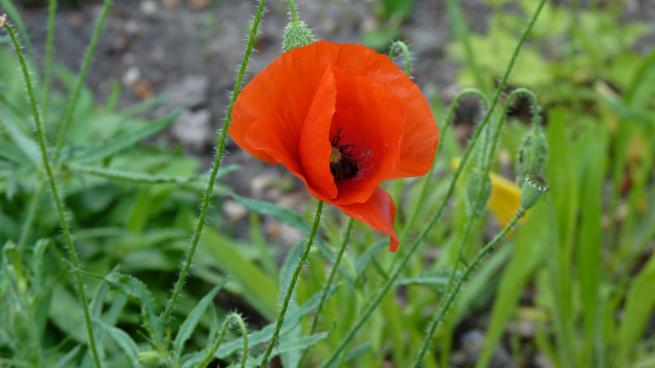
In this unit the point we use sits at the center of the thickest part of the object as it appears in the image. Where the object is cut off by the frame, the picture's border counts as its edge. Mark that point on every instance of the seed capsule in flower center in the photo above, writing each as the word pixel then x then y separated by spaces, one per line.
pixel 342 163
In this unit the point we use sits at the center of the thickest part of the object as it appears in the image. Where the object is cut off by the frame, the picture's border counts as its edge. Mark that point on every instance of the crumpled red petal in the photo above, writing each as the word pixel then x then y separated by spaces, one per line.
pixel 378 212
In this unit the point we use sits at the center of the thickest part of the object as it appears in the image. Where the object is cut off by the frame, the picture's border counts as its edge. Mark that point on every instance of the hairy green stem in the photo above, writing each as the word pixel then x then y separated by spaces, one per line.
pixel 448 121
pixel 401 47
pixel 220 150
pixel 68 238
pixel 64 123
pixel 333 272
pixel 50 42
pixel 397 271
pixel 231 318
pixel 292 284
pixel 328 284
pixel 452 295
pixel 293 11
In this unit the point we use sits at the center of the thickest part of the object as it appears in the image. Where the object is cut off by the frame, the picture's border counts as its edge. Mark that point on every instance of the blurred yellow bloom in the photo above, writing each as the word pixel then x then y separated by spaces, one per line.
pixel 505 197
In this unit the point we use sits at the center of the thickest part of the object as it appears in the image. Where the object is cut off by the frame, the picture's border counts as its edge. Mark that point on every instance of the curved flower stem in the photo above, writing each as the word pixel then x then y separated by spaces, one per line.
pixel 401 47
pixel 443 307
pixel 220 150
pixel 448 122
pixel 231 318
pixel 328 284
pixel 47 72
pixel 396 272
pixel 64 123
pixel 292 284
pixel 59 206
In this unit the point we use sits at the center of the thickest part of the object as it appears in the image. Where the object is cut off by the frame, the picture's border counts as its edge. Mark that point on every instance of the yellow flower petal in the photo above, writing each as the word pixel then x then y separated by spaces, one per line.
pixel 505 197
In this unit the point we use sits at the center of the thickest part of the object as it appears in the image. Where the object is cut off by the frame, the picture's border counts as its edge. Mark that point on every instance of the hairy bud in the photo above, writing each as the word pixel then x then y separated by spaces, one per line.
pixel 297 34
pixel 534 187
pixel 533 155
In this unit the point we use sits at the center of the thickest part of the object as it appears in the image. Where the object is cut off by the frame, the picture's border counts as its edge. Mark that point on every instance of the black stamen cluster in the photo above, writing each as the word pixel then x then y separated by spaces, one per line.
pixel 346 167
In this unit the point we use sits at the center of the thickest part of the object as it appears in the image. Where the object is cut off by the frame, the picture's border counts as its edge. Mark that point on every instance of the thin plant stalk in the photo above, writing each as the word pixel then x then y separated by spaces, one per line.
pixel 448 121
pixel 397 271
pixel 231 318
pixel 401 47
pixel 47 69
pixel 328 284
pixel 59 206
pixel 220 150
pixel 333 272
pixel 293 11
pixel 452 295
pixel 64 123
pixel 292 284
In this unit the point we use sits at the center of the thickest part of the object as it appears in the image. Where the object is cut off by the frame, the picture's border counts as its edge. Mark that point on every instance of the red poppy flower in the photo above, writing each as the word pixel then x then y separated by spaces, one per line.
pixel 343 118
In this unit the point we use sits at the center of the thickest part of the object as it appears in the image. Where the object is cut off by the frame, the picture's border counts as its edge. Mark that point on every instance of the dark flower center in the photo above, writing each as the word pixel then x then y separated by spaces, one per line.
pixel 342 162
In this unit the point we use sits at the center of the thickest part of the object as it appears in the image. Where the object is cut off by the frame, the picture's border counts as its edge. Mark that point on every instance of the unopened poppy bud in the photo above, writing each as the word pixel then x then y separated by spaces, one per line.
pixel 152 359
pixel 478 200
pixel 297 34
pixel 533 188
pixel 3 19
pixel 532 155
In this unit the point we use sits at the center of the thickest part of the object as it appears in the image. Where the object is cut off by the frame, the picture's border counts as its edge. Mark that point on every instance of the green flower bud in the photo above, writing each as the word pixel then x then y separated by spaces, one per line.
pixel 297 34
pixel 153 359
pixel 533 155
pixel 532 190
pixel 478 182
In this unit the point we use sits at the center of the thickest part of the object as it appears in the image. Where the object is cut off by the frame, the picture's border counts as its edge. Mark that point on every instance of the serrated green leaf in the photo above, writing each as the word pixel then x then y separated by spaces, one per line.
pixel 136 289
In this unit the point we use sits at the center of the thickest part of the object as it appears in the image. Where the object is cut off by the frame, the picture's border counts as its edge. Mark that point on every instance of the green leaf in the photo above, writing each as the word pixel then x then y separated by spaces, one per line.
pixel 285 215
pixel 123 340
pixel 639 306
pixel 190 323
pixel 65 361
pixel 120 142
pixel 135 288
pixel 266 333
pixel 259 289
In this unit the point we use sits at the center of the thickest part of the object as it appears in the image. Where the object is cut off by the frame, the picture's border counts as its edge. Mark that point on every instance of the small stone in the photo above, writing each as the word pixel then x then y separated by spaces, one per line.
pixel 283 233
pixel 191 92
pixel 131 76
pixel 144 89
pixel 149 7
pixel 234 210
pixel 198 4
pixel 193 129
pixel 261 182
pixel 171 4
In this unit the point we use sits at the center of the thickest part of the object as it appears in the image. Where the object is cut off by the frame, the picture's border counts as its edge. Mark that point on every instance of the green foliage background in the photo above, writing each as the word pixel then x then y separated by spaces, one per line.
pixel 580 269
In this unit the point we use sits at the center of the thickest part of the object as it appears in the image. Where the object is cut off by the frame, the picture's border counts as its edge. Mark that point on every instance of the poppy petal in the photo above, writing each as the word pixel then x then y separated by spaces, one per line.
pixel 369 121
pixel 378 212
pixel 274 105
pixel 315 147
